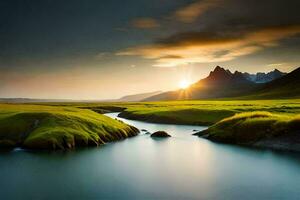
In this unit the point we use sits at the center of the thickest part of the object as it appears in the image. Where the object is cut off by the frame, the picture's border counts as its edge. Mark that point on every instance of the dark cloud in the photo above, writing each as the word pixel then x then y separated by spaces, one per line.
pixel 50 40
pixel 223 30
pixel 191 12
pixel 201 47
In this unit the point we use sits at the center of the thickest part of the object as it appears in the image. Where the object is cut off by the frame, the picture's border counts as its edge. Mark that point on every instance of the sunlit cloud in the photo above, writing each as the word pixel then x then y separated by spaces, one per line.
pixel 145 23
pixel 277 64
pixel 192 11
pixel 200 47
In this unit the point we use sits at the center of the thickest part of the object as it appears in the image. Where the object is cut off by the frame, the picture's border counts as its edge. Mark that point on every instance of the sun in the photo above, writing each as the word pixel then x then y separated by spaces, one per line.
pixel 183 84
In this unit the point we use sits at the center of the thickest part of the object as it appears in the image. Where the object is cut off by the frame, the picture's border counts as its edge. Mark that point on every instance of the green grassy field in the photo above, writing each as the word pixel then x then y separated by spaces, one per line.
pixel 65 125
pixel 194 112
pixel 53 127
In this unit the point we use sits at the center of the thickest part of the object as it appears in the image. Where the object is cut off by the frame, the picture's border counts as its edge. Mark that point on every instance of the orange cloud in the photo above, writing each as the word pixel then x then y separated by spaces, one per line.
pixel 191 12
pixel 202 47
pixel 145 23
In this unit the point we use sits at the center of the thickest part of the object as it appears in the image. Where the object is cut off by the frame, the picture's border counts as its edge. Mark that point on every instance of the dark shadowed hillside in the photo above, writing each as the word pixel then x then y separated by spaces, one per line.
pixel 222 83
pixel 287 86
pixel 219 84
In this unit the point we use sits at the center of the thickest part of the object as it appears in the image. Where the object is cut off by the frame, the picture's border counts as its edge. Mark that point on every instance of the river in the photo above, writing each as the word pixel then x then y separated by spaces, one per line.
pixel 181 167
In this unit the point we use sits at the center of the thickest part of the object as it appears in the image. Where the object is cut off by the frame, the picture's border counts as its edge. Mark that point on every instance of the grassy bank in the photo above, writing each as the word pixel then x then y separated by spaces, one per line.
pixel 258 129
pixel 181 115
pixel 65 125
pixel 263 123
pixel 53 127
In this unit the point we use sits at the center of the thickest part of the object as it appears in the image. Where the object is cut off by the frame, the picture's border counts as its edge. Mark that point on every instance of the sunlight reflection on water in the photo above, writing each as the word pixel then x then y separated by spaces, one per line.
pixel 180 167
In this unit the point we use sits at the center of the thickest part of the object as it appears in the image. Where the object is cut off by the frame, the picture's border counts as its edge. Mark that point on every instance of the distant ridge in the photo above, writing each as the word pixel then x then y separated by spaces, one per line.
pixel 128 98
pixel 222 83
pixel 261 77
pixel 287 86
pixel 138 97
pixel 31 100
pixel 219 84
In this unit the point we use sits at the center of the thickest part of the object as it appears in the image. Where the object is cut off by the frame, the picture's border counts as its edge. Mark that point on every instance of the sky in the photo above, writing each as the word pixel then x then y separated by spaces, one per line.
pixel 105 49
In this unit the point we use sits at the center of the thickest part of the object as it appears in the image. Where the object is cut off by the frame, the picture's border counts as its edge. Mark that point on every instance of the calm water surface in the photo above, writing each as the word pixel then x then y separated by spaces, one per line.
pixel 181 167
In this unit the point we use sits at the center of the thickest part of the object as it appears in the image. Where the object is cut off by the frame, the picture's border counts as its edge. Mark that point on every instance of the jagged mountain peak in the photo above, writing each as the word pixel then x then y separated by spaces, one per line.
pixel 238 73
pixel 224 76
pixel 219 73
pixel 262 77
pixel 220 70
pixel 276 70
pixel 222 83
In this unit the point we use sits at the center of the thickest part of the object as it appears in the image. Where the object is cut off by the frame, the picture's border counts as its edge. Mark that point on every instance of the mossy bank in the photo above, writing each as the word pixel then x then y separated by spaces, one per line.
pixel 53 127
pixel 259 129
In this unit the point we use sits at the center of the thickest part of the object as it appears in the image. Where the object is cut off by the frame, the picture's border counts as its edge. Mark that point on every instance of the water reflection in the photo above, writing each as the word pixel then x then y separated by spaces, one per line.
pixel 180 167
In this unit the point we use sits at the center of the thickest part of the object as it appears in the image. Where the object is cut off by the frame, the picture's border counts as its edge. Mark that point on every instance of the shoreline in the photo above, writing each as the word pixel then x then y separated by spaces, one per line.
pixel 290 141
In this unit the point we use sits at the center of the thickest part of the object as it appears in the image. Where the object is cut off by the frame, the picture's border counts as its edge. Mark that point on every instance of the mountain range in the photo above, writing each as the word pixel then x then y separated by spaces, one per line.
pixel 222 83
pixel 287 86
pixel 262 77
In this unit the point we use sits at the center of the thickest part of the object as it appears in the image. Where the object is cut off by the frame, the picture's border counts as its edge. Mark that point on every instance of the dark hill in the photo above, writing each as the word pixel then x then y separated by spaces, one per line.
pixel 287 86
pixel 220 83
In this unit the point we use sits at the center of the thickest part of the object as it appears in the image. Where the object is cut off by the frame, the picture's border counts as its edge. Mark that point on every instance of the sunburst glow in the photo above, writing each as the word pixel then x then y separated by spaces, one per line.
pixel 183 84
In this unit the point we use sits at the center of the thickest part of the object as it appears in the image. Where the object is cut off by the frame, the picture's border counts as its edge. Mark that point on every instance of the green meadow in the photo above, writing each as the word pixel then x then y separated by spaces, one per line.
pixel 66 125
pixel 53 127
pixel 197 112
pixel 271 124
